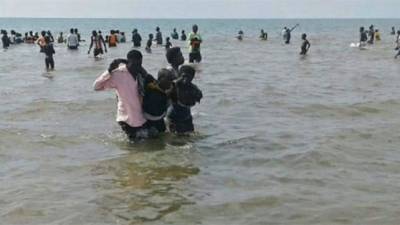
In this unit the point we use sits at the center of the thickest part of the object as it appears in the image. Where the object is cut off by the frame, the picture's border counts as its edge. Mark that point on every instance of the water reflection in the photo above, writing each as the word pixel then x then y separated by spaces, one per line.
pixel 145 185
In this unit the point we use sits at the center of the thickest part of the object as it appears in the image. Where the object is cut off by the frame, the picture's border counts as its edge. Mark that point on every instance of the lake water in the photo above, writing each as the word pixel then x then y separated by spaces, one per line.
pixel 281 139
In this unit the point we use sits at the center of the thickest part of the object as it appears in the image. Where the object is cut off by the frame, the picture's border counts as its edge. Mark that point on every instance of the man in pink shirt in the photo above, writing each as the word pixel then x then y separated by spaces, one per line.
pixel 126 81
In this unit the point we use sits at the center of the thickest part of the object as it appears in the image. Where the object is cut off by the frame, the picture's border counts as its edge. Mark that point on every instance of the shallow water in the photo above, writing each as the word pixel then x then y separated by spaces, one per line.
pixel 282 139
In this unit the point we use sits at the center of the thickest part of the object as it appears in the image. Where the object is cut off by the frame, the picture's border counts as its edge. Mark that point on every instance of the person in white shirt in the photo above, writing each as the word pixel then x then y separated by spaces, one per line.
pixel 72 40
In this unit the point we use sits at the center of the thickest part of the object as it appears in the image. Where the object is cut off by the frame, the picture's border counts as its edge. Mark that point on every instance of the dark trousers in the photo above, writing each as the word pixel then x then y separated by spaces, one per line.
pixel 194 56
pixel 133 133
pixel 49 62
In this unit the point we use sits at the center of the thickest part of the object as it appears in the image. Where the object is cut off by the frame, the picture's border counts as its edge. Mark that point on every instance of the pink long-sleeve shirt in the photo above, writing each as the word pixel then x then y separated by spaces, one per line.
pixel 129 105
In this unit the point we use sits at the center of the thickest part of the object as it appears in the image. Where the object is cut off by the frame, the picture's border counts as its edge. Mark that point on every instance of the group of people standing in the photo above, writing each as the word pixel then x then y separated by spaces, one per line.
pixel 99 43
pixel 144 102
pixel 373 35
pixel 286 34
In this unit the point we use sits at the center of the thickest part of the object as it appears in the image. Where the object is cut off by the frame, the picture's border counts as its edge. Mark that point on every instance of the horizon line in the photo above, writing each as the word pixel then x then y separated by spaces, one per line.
pixel 212 18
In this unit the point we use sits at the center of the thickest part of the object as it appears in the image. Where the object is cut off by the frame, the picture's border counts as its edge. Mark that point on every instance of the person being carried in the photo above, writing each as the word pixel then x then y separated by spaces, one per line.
pixel 126 81
pixel 48 50
pixel 184 95
pixel 149 43
pixel 195 41
pixel 305 46
pixel 156 99
pixel 97 41
pixel 175 59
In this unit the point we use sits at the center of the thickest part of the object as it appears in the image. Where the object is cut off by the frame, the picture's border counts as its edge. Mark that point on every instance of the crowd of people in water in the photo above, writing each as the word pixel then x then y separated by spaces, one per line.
pixel 99 43
pixel 145 103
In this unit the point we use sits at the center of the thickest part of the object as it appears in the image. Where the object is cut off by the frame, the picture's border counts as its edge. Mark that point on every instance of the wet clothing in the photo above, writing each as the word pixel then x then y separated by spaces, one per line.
pixel 175 35
pixel 304 47
pixel 183 37
pixel 112 40
pixel 155 104
pixel 49 52
pixel 159 39
pixel 136 39
pixel 6 41
pixel 183 97
pixel 194 57
pixel 129 100
pixel 288 36
pixel 168 45
pixel 72 41
pixel 195 41
pixel 371 34
pixel 97 41
pixel 377 36
pixel 363 37
pixel 135 133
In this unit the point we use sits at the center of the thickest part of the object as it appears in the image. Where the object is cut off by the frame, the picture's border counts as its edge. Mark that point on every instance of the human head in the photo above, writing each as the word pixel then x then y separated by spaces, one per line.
pixel 361 29
pixel 135 58
pixel 303 36
pixel 167 39
pixel 61 33
pixel 195 28
pixel 174 56
pixel 43 33
pixel 174 29
pixel 134 30
pixel 183 31
pixel 94 33
pixel 187 73
pixel 76 30
pixel 99 32
pixel 165 79
pixel 123 33
pixel 150 36
pixel 376 30
pixel 157 29
pixel 71 30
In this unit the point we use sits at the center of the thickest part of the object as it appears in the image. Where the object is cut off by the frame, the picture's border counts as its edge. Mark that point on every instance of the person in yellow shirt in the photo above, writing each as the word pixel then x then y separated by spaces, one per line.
pixel 377 35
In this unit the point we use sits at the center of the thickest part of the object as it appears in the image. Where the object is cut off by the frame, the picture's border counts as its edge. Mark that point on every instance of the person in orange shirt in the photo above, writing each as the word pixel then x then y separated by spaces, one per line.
pixel 113 39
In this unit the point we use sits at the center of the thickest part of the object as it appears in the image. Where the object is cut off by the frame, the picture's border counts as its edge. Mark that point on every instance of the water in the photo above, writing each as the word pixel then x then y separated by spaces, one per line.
pixel 281 139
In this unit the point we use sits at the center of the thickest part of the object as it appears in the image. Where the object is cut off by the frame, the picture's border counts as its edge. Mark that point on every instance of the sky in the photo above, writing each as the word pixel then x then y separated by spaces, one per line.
pixel 201 8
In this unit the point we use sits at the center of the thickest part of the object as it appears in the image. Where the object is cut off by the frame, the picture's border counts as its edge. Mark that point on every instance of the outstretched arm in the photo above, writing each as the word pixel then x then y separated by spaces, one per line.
pixel 294 27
